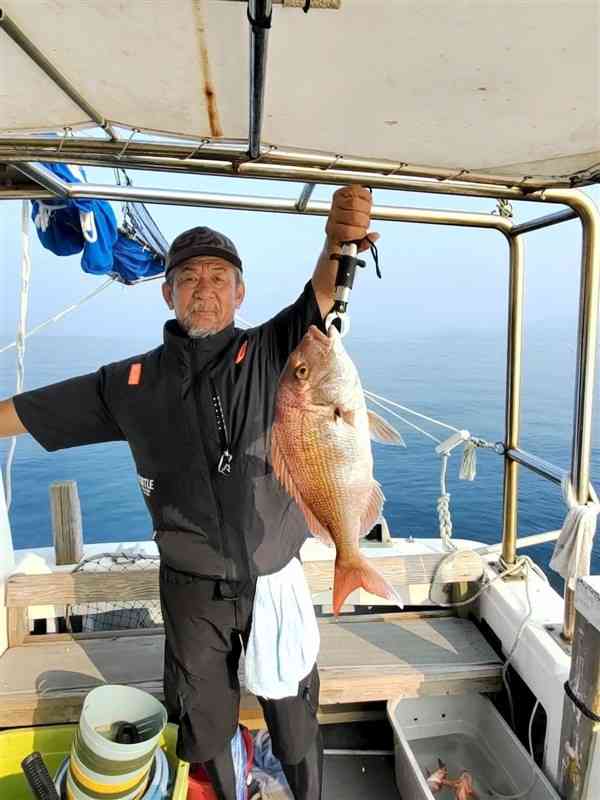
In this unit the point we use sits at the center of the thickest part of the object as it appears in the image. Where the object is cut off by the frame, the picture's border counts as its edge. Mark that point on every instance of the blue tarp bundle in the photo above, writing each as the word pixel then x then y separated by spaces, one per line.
pixel 71 226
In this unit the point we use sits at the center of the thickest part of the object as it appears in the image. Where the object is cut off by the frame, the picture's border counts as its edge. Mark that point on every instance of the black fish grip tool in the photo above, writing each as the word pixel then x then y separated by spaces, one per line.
pixel 347 264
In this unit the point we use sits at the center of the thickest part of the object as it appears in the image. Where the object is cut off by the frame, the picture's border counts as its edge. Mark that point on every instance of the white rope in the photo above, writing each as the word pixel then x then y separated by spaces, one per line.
pixel 61 314
pixel 21 336
pixel 573 549
pixel 443 507
pixel 44 213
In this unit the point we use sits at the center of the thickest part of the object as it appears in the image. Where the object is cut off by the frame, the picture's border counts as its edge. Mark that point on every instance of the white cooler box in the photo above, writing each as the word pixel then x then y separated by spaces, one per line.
pixel 467 733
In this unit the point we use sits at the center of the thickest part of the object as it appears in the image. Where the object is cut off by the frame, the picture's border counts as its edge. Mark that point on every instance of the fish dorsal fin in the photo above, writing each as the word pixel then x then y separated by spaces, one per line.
pixel 373 510
pixel 284 476
pixel 381 431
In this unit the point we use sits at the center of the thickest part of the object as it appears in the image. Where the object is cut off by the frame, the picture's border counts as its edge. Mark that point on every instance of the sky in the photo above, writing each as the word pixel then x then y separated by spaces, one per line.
pixel 435 278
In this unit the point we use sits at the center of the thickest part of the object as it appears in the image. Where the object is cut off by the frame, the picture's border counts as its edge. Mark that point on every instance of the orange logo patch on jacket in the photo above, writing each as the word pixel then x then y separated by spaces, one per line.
pixel 241 353
pixel 135 374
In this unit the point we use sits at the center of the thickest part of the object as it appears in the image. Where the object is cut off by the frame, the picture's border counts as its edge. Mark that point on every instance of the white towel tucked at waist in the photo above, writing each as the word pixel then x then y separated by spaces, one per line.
pixel 284 637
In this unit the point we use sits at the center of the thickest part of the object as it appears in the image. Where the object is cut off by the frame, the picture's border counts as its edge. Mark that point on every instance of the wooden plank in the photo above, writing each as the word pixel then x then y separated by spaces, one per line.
pixel 24 710
pixel 341 686
pixel 37 640
pixel 359 662
pixel 462 565
pixel 51 638
pixel 91 587
pixel 67 530
pixel 18 626
pixel 415 647
pixel 61 588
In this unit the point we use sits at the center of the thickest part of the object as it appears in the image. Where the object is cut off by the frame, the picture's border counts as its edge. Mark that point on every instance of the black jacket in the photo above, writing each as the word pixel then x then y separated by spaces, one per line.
pixel 180 407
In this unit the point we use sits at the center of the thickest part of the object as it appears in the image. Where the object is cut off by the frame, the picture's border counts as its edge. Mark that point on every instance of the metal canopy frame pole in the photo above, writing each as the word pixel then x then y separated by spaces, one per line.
pixel 179 153
pixel 544 222
pixel 259 15
pixel 305 196
pixel 514 351
pixel 57 186
pixel 587 337
pixel 36 55
pixel 261 169
pixel 45 178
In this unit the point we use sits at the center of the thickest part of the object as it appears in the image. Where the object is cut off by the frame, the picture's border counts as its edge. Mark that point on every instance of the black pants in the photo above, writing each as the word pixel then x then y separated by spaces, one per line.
pixel 206 624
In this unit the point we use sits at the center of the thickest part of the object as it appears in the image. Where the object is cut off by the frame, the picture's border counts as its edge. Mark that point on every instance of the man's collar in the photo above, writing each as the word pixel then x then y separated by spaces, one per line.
pixel 193 350
pixel 175 336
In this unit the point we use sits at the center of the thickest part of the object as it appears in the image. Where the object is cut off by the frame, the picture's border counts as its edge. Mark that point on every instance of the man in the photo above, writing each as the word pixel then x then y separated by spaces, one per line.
pixel 196 413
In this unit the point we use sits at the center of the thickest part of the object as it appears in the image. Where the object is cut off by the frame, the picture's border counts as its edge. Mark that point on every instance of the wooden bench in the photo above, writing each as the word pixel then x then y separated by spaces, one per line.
pixel 364 660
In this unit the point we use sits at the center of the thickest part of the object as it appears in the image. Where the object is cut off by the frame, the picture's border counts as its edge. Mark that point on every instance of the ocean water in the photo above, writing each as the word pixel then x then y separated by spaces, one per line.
pixel 454 376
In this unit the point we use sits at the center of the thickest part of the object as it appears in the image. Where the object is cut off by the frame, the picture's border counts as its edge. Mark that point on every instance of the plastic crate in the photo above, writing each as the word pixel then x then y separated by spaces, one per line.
pixel 53 742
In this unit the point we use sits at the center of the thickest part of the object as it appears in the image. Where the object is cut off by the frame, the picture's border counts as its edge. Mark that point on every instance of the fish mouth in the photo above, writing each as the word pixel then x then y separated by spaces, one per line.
pixel 322 339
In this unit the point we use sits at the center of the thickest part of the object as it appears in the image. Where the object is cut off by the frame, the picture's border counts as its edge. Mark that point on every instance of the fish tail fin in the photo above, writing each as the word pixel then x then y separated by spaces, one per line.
pixel 359 572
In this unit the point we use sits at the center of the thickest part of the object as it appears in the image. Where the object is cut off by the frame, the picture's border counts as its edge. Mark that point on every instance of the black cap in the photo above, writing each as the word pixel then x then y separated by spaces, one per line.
pixel 201 241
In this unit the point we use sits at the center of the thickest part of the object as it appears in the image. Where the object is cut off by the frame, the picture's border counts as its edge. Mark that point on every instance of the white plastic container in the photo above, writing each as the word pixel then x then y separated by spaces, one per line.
pixel 101 766
pixel 465 732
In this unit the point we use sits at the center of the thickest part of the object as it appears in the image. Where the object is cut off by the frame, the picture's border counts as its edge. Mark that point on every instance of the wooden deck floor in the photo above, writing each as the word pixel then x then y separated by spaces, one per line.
pixel 362 660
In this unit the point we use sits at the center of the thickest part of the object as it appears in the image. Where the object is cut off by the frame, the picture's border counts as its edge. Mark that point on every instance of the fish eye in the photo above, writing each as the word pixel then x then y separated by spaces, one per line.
pixel 302 372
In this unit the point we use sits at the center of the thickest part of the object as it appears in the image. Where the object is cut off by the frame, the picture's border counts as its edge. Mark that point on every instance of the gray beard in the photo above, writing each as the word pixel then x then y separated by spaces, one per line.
pixel 201 333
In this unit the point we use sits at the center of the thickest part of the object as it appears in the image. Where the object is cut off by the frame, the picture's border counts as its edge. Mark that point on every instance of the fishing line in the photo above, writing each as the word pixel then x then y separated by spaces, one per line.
pixel 410 411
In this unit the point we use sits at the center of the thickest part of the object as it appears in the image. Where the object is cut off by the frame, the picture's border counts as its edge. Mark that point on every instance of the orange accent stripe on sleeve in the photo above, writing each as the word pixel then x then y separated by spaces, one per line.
pixel 135 374
pixel 241 354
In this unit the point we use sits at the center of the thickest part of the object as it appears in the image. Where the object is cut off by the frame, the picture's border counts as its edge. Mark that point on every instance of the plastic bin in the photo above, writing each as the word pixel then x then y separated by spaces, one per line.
pixel 54 743
pixel 465 732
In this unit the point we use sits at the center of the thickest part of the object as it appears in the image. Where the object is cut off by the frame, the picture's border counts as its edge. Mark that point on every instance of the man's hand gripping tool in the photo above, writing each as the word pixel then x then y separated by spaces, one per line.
pixel 347 263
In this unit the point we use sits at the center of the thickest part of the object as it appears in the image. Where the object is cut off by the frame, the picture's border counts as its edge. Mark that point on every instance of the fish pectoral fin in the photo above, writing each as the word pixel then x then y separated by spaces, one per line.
pixel 284 476
pixel 347 415
pixel 382 431
pixel 372 511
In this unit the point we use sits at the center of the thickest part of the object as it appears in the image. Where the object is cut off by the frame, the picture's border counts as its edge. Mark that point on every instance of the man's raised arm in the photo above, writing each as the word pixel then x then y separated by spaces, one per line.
pixel 10 424
pixel 348 221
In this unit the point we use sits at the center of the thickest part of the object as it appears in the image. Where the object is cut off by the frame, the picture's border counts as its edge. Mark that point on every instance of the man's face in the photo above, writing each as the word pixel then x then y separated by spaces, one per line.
pixel 205 294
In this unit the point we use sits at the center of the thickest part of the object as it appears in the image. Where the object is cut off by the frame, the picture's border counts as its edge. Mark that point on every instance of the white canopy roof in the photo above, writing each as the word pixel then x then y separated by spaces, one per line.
pixel 481 85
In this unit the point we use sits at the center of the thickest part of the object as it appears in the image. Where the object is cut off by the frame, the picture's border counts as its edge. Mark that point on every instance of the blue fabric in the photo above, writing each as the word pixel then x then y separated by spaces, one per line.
pixel 63 234
pixel 132 261
pixel 98 256
pixel 106 250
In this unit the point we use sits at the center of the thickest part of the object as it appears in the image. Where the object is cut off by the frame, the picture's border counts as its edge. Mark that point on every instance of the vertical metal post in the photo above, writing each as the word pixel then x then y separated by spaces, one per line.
pixel 579 766
pixel 259 12
pixel 513 399
pixel 587 334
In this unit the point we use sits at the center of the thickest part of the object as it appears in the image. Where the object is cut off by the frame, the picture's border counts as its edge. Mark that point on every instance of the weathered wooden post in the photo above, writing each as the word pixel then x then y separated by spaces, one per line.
pixel 66 522
pixel 580 735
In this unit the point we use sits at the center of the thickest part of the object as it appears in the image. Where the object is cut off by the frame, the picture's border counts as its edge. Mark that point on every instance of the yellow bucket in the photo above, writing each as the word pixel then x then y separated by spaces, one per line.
pixel 54 744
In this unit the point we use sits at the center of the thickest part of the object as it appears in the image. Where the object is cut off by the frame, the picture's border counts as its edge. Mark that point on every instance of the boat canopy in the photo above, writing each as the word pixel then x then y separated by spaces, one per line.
pixel 483 87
